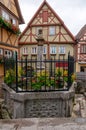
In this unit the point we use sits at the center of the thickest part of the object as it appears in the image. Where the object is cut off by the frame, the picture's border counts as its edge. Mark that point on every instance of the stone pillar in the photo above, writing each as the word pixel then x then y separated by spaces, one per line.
pixel 40 64
pixel 18 100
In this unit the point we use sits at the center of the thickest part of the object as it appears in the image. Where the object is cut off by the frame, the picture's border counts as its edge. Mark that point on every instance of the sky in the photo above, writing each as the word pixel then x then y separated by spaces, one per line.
pixel 72 12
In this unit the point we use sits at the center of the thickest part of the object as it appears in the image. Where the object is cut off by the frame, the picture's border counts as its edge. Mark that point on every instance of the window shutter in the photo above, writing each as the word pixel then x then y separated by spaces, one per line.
pixel 45 16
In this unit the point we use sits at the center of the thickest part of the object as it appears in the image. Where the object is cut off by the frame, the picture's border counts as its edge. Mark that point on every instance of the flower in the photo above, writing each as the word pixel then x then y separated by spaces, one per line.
pixel 15 29
pixel 73 77
pixel 43 73
pixel 65 73
pixel 8 26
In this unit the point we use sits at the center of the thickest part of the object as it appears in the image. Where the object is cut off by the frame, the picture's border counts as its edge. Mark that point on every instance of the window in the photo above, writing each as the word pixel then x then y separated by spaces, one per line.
pixel 13 21
pixel 52 30
pixel 8 53
pixel 83 48
pixel 34 50
pixel 39 31
pixel 1 51
pixel 44 50
pixel 61 50
pixel 5 15
pixel 14 54
pixel 25 50
pixel 53 50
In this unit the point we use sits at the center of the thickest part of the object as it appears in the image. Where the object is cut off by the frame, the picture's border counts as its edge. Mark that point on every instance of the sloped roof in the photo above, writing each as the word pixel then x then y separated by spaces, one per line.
pixel 45 2
pixel 81 33
pixel 20 17
pixel 21 20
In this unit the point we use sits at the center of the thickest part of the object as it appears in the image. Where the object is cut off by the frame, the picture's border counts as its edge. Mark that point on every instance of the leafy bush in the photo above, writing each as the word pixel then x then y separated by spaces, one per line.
pixel 9 78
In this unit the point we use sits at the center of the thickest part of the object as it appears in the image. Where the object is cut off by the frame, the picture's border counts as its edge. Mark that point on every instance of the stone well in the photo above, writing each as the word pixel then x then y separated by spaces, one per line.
pixel 39 104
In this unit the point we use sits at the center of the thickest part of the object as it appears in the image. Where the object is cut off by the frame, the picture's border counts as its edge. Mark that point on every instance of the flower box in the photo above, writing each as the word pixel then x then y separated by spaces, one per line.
pixel 8 26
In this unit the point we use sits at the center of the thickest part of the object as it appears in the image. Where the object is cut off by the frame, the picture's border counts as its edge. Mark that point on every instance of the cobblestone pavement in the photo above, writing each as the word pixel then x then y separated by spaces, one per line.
pixel 44 124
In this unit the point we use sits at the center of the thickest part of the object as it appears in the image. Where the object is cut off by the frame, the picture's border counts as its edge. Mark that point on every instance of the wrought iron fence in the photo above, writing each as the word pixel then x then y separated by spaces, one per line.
pixel 46 75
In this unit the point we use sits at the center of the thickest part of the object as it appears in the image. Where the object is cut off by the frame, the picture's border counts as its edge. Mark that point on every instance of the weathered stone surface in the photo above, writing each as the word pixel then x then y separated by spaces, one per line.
pixel 81 82
pixel 81 86
pixel 39 104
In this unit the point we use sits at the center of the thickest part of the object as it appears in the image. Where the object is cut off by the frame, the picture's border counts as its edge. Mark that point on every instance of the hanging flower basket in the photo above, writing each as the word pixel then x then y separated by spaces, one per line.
pixel 8 26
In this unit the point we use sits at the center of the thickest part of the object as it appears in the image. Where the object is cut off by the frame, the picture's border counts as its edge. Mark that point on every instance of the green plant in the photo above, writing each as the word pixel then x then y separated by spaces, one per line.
pixel 36 85
pixel 9 77
pixel 59 78
pixel 73 77
pixel 41 80
pixel 8 26
pixel 9 63
pixel 65 76
pixel 58 72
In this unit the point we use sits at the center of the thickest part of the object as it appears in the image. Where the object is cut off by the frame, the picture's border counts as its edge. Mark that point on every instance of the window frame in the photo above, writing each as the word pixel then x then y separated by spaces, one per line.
pixel 9 53
pixel 34 50
pixel 62 49
pixel 5 15
pixel 38 29
pixel 83 49
pixel 13 21
pixel 44 49
pixel 52 30
pixel 25 50
pixel 53 49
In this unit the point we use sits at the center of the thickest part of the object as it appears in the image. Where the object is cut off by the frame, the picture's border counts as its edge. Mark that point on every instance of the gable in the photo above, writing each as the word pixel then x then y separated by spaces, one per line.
pixel 44 18
pixel 13 7
pixel 83 38
pixel 80 35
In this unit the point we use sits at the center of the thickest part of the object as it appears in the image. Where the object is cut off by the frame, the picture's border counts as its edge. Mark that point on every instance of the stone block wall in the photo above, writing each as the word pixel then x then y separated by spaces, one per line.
pixel 40 104
pixel 46 108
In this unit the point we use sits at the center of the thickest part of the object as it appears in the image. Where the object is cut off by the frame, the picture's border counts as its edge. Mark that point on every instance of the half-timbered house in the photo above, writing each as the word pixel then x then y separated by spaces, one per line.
pixel 46 29
pixel 10 18
pixel 81 50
